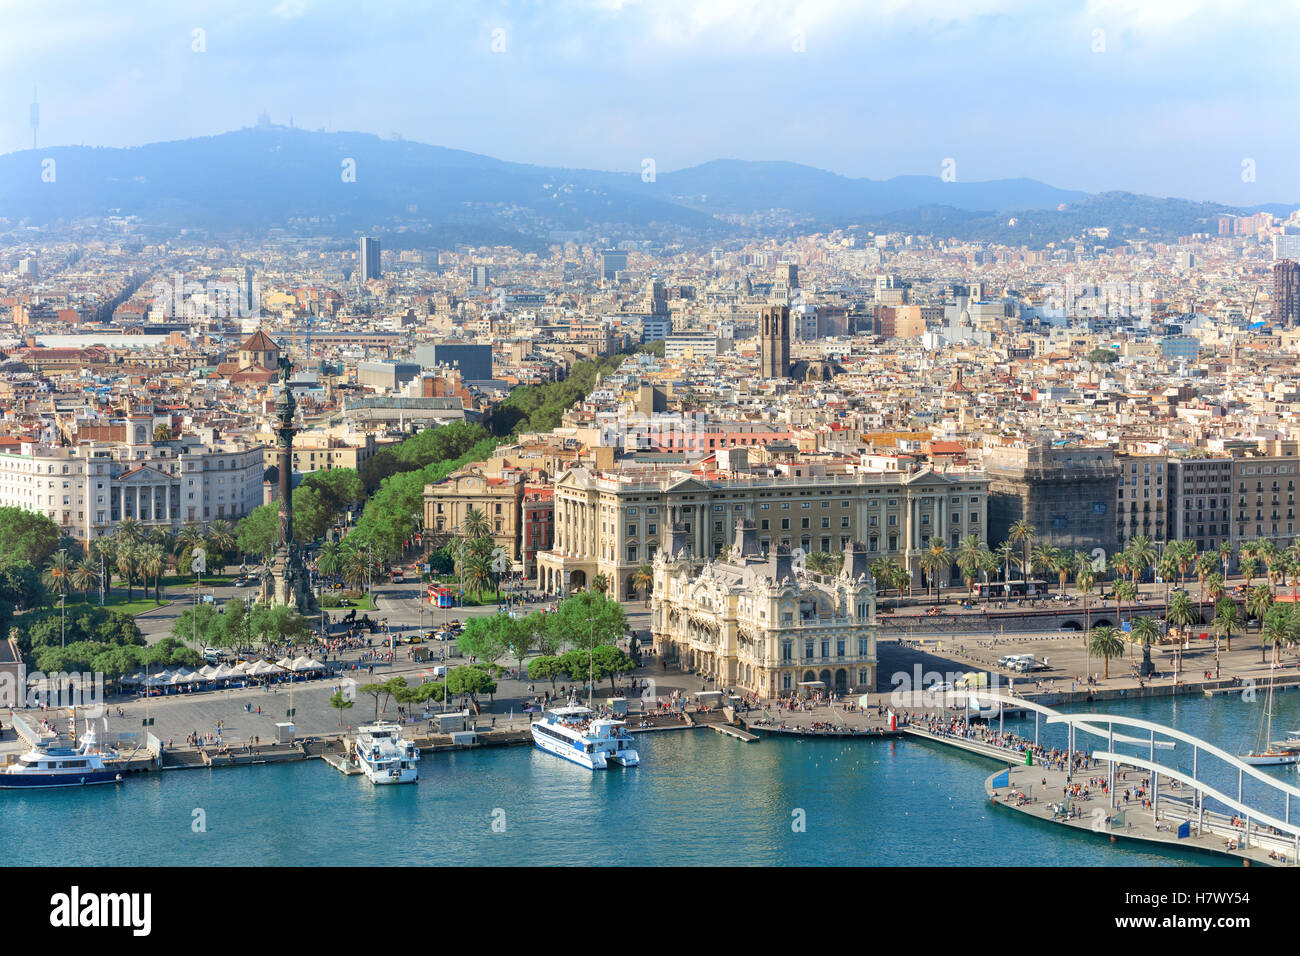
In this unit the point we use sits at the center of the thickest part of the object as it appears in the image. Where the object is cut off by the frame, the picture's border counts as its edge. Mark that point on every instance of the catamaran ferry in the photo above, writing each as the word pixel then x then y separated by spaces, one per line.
pixel 385 756
pixel 572 732
pixel 51 766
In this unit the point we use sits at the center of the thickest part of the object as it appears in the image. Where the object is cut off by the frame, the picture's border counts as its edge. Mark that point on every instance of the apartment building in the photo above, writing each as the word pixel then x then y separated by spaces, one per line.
pixel 89 488
pixel 1199 501
pixel 1140 509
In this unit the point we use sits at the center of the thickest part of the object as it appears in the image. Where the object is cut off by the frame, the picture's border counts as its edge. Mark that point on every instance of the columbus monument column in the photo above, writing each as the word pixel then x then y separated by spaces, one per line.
pixel 289 582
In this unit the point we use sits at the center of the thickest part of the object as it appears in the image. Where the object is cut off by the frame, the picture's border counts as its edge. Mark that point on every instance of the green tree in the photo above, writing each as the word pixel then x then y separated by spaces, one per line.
pixel 1022 533
pixel 201 625
pixel 612 662
pixel 1258 601
pixel 1278 630
pixel 340 703
pixel 972 557
pixel 488 637
pixel 1105 643
pixel 589 619
pixel 470 681
pixel 546 667
pixel 27 536
pixel 259 531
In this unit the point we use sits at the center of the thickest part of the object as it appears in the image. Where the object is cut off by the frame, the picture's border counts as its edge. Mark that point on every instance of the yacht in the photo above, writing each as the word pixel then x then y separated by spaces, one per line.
pixel 54 766
pixel 1272 753
pixel 575 733
pixel 385 756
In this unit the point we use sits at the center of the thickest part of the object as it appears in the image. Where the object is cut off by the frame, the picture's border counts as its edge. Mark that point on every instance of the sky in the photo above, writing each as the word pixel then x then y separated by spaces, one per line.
pixel 1190 98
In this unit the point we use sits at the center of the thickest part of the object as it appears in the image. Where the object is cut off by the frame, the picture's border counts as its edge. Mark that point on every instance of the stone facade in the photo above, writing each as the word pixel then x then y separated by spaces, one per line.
pixel 760 624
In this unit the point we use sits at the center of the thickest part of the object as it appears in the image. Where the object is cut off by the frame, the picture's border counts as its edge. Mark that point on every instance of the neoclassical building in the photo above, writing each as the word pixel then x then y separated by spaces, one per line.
pixel 612 522
pixel 759 623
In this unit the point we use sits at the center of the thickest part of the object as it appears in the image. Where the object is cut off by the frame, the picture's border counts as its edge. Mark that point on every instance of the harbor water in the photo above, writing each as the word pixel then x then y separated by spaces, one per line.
pixel 698 798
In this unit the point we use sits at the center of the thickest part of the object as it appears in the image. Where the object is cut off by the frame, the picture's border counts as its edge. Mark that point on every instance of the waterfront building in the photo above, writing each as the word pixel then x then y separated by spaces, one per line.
pixel 612 522
pixel 758 622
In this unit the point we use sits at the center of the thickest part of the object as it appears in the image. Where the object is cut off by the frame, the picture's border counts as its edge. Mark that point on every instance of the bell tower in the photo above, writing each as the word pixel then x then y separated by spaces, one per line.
pixel 774 341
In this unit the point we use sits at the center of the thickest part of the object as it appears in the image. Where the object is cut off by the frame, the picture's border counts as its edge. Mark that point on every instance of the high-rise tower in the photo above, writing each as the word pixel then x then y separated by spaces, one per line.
pixel 1286 293
pixel 368 257
pixel 774 341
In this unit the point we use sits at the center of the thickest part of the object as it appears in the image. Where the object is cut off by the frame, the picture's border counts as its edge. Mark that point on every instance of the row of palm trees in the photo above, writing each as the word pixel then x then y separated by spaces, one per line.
pixel 136 555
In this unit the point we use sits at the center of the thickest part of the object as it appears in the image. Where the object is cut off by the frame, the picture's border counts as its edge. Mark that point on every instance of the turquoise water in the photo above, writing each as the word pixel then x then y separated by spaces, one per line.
pixel 698 798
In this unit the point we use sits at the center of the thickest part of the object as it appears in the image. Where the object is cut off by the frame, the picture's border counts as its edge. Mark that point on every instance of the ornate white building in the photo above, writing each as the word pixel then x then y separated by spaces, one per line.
pixel 760 623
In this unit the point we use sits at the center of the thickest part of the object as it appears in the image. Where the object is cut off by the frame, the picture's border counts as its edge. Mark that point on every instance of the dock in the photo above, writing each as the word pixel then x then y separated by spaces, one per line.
pixel 730 731
pixel 342 764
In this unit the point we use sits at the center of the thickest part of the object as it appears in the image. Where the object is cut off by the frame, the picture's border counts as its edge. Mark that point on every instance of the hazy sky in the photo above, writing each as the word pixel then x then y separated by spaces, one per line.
pixel 1159 96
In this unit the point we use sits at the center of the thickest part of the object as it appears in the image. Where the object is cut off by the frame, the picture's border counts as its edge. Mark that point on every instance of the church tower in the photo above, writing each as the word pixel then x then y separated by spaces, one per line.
pixel 774 341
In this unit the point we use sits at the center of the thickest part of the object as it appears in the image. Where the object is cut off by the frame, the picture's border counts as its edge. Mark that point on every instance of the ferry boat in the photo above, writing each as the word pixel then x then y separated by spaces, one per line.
pixel 55 766
pixel 574 733
pixel 385 756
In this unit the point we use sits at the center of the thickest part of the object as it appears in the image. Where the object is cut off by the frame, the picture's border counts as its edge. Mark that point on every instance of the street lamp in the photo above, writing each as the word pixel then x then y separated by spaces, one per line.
pixel 63 596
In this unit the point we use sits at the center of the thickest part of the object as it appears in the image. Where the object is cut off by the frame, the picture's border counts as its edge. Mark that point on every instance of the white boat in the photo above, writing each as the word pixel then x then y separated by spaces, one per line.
pixel 385 756
pixel 1271 753
pixel 53 766
pixel 575 733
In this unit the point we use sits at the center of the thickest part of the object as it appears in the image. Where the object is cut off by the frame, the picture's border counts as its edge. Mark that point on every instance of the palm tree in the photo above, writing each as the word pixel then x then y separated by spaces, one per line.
pixel 478 574
pixel 220 542
pixel 1043 559
pixel 1168 569
pixel 887 572
pixel 1184 553
pixel 1225 556
pixel 1205 566
pixel 1023 534
pixel 153 564
pixel 822 562
pixel 332 557
pixel 1215 587
pixel 971 557
pixel 1105 643
pixel 356 569
pixel 643 579
pixel 1142 555
pixel 1125 592
pixel 129 531
pixel 936 559
pixel 1179 611
pixel 1064 566
pixel 988 568
pixel 103 549
pixel 58 573
pixel 1006 555
pixel 1146 632
pixel 475 525
pixel 1084 578
pixel 600 583
pixel 1227 618
pixel 1278 630
pixel 1248 566
pixel 85 576
pixel 1258 601
pixel 128 563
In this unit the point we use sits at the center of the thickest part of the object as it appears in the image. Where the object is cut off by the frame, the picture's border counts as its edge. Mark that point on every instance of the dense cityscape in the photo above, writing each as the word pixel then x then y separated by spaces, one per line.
pixel 684 511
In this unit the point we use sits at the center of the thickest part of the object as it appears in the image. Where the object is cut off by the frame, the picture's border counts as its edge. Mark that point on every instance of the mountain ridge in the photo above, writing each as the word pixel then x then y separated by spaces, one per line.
pixel 256 178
